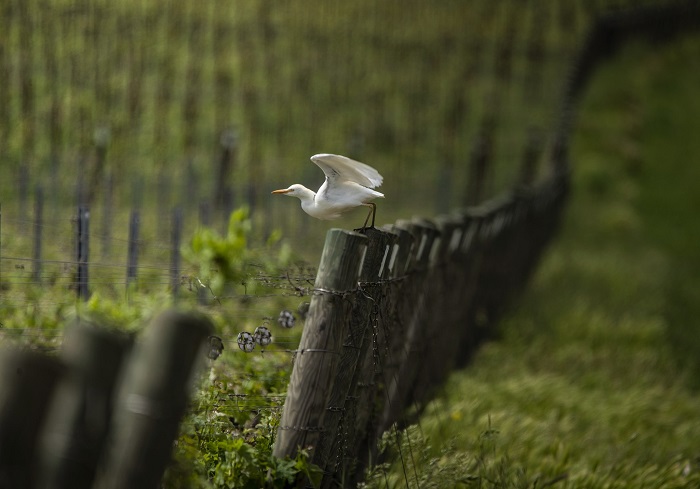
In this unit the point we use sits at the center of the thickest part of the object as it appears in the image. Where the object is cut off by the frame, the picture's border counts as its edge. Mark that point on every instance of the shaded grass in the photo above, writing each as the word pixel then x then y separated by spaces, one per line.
pixel 592 383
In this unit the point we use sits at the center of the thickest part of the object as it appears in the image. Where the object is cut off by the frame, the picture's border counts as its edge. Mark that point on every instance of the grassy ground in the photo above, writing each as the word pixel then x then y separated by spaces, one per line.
pixel 594 380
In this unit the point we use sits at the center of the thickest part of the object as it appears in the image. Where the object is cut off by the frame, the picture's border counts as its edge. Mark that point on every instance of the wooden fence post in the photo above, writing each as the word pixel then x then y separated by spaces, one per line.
pixel 369 383
pixel 494 277
pixel 151 400
pixel 472 250
pixel 79 416
pixel 412 311
pixel 27 381
pixel 403 262
pixel 318 357
pixel 447 295
pixel 401 259
pixel 357 342
pixel 133 247
pixel 83 252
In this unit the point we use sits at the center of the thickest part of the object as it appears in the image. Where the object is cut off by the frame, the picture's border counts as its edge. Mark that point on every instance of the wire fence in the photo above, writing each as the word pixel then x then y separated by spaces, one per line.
pixel 485 94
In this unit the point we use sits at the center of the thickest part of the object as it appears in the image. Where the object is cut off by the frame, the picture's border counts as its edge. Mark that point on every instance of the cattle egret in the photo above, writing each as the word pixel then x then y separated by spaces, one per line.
pixel 348 184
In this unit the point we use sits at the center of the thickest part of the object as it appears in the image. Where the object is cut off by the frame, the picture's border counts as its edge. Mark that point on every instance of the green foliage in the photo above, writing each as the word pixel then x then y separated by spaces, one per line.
pixel 223 442
pixel 239 465
pixel 223 260
pixel 226 447
pixel 128 315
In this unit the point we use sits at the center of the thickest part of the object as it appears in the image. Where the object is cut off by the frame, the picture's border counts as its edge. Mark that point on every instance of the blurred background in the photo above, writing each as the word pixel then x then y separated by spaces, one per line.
pixel 209 105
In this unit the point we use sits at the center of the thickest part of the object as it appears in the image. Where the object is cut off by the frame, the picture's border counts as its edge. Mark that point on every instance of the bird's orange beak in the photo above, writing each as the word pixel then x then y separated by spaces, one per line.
pixel 281 191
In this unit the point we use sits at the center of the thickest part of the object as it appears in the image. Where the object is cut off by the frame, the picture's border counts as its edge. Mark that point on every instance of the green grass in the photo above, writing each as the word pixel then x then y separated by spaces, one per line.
pixel 593 382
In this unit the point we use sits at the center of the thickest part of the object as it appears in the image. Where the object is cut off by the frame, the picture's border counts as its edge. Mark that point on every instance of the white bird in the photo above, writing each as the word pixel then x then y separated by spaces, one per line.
pixel 348 184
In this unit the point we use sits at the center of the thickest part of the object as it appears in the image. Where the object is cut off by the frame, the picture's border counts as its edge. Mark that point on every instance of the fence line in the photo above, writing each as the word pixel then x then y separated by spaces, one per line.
pixel 381 345
pixel 382 337
pixel 91 411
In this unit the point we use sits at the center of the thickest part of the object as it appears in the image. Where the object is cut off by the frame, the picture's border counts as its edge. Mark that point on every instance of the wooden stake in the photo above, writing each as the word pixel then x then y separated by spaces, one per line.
pixel 80 414
pixel 133 251
pixel 83 251
pixel 27 380
pixel 152 399
pixel 355 347
pixel 318 358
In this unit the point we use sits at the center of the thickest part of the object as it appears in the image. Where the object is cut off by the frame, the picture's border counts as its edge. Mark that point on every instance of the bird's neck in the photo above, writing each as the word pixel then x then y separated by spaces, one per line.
pixel 306 195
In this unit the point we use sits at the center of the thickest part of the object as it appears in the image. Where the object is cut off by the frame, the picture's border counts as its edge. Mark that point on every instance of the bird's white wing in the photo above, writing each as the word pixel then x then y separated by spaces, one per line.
pixel 337 168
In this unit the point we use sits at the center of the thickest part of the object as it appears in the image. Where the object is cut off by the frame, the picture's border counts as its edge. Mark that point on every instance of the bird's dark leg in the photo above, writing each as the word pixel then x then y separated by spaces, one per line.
pixel 372 211
pixel 364 226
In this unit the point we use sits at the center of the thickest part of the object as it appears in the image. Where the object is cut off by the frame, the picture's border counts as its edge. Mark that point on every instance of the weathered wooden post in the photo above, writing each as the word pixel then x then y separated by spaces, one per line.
pixel 133 247
pixel 495 282
pixel 357 342
pixel 472 249
pixel 463 270
pixel 81 411
pixel 400 292
pixel 151 400
pixel 445 304
pixel 411 310
pixel 369 386
pixel 83 252
pixel 318 358
pixel 490 244
pixel 27 381
pixel 401 260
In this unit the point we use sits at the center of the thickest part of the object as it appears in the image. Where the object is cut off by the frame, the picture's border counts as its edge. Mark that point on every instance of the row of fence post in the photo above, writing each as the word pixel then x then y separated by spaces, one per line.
pixel 394 310
pixel 97 176
pixel 105 412
pixel 133 251
pixel 382 338
pixel 82 248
